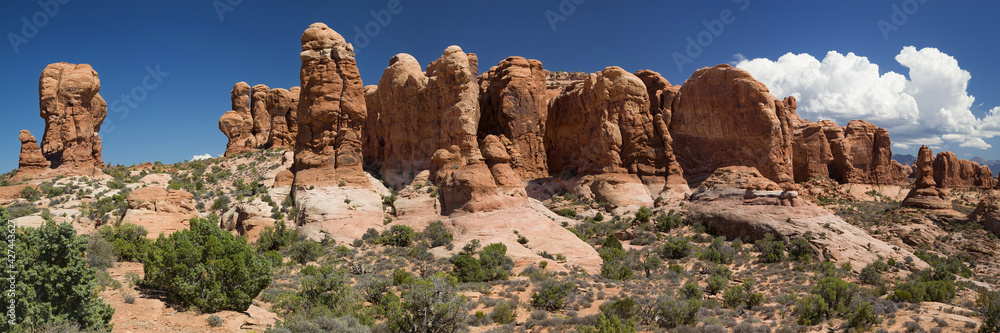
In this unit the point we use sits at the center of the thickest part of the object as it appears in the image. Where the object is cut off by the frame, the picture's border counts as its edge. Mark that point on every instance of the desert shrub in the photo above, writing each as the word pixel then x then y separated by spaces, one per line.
pixel 493 264
pixel 31 194
pixel 429 305
pixel 837 293
pixel 221 203
pixel 324 291
pixel 929 285
pixel 401 277
pixel 771 250
pixel 623 308
pixel 274 257
pixel 305 251
pixel 437 235
pixel 672 312
pixel 504 312
pixel 733 297
pixel 811 310
pixel 862 315
pixel 715 284
pixel 611 242
pixel 214 321
pixel 691 290
pixel 615 265
pixel 675 248
pixel 276 238
pixel 719 251
pixel 55 285
pixel 19 209
pixel 100 253
pixel 800 250
pixel 567 212
pixel 988 303
pixel 373 288
pixel 643 214
pixel 551 294
pixel 207 267
pixel 668 221
pixel 370 236
pixel 398 235
pixel 608 324
pixel 128 240
pixel 643 238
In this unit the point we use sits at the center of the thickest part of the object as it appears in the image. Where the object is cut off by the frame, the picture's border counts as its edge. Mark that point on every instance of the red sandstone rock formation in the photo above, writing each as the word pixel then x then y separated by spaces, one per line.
pixel 514 106
pixel 31 162
pixel 664 164
pixel 281 105
pixel 811 152
pixel 261 117
pixel 724 117
pixel 73 111
pixel 160 210
pixel 864 155
pixel 924 193
pixel 237 124
pixel 951 172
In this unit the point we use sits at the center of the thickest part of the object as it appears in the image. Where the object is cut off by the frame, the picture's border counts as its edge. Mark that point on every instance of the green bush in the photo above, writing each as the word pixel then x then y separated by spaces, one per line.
pixel 31 194
pixel 429 305
pixel 615 265
pixel 862 316
pixel 437 234
pixel 837 293
pixel 608 324
pixel 668 221
pixel 623 308
pixel 276 238
pixel 812 310
pixel 305 251
pixel 611 242
pixel 398 235
pixel 207 267
pixel 719 251
pixel 493 264
pixel 504 313
pixel 551 294
pixel 214 321
pixel 733 297
pixel 100 253
pixel 567 212
pixel 467 268
pixel 323 292
pixel 19 209
pixel 54 284
pixel 799 249
pixel 401 277
pixel 128 240
pixel 673 312
pixel 929 285
pixel 221 203
pixel 675 248
pixel 715 284
pixel 691 290
pixel 988 303
pixel 643 214
pixel 771 250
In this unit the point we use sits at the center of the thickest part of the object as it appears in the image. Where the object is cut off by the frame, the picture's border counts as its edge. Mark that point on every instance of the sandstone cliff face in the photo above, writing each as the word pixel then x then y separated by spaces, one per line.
pixel 419 113
pixel 661 98
pixel 514 107
pixel 811 153
pixel 724 117
pixel 160 210
pixel 281 105
pixel 864 155
pixel 31 162
pixel 924 193
pixel 73 111
pixel 261 117
pixel 951 172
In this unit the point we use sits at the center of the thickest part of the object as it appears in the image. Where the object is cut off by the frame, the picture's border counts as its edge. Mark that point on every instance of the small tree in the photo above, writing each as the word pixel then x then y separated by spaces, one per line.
pixel 207 267
pixel 128 240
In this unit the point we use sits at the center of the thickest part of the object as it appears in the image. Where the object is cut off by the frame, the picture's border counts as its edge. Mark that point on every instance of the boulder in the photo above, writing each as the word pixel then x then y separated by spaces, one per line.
pixel 951 172
pixel 514 108
pixel 864 155
pixel 160 210
pixel 73 111
pixel 31 163
pixel 245 220
pixel 725 117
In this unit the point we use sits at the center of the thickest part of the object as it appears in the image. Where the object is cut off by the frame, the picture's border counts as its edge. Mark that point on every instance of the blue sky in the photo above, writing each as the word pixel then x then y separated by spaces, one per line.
pixel 205 53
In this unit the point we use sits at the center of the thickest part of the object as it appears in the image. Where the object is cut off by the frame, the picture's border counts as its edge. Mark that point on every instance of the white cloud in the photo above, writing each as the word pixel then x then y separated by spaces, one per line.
pixel 201 157
pixel 930 106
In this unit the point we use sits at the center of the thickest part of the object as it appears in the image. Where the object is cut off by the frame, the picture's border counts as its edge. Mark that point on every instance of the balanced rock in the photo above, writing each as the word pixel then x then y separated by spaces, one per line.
pixel 73 111
pixel 281 105
pixel 725 117
pixel 951 172
pixel 864 155
pixel 160 210
pixel 514 106
pixel 333 195
pixel 924 193
pixel 31 162
pixel 237 124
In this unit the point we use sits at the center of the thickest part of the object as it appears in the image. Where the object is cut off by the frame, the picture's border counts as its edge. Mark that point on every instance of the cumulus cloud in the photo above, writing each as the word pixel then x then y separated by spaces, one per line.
pixel 929 106
pixel 201 157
